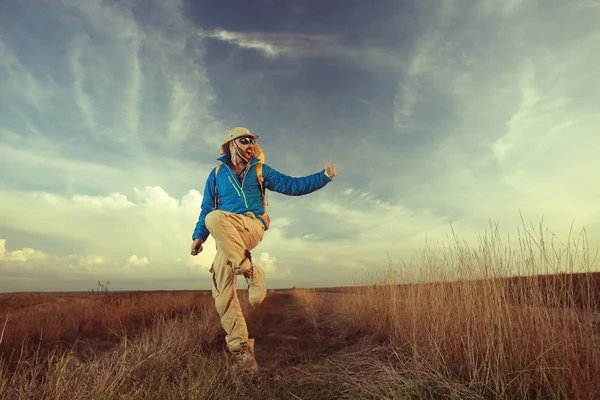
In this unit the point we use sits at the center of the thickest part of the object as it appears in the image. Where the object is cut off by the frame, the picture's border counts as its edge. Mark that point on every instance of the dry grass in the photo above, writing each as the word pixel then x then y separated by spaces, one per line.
pixel 91 322
pixel 311 304
pixel 168 346
pixel 501 337
pixel 451 324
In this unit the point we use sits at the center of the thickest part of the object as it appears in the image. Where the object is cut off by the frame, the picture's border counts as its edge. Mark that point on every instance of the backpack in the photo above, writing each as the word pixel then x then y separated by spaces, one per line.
pixel 261 156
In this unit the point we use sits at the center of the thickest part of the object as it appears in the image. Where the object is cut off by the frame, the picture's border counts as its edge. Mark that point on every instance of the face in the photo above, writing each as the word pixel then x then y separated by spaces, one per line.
pixel 246 146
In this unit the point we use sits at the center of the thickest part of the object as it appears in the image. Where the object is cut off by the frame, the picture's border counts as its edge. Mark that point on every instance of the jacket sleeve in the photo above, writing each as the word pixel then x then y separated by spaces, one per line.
pixel 291 186
pixel 208 202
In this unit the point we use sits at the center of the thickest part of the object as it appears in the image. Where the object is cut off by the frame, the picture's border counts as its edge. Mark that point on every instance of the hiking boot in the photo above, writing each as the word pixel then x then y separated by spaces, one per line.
pixel 243 358
pixel 244 266
pixel 257 289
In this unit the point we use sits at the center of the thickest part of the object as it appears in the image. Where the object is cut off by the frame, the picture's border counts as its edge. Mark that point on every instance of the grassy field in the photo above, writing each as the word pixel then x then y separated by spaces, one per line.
pixel 459 322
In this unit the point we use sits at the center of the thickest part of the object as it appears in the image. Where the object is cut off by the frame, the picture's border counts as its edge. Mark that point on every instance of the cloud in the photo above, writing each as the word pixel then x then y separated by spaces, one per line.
pixel 83 263
pixel 121 98
pixel 118 234
pixel 267 263
pixel 114 226
pixel 21 255
pixel 138 261
pixel 298 46
pixel 121 236
pixel 466 113
pixel 92 131
pixel 506 103
pixel 83 101
pixel 245 41
pixel 589 4
pixel 24 86
pixel 153 226
pixel 350 224
pixel 277 44
pixel 30 269
pixel 113 200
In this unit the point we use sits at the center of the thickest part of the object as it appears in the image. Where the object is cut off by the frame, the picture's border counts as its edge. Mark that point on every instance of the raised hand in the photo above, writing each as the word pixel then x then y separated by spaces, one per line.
pixel 330 169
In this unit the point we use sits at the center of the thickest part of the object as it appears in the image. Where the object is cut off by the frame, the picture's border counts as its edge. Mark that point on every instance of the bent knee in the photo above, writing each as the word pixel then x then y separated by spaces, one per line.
pixel 213 219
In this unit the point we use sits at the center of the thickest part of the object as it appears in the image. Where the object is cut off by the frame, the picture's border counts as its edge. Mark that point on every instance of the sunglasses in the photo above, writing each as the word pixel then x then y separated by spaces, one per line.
pixel 246 141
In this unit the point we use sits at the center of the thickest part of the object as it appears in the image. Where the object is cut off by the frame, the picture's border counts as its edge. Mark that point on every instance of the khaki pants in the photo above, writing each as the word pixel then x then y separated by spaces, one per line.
pixel 233 234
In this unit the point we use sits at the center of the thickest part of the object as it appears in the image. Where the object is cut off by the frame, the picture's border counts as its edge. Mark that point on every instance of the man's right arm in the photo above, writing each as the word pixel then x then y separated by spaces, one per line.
pixel 208 201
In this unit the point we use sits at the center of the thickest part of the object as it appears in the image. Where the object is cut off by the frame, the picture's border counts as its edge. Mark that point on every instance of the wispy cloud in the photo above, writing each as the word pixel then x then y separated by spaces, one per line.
pixel 82 99
pixel 510 126
pixel 299 46
pixel 245 41
pixel 109 128
pixel 121 103
pixel 278 44
pixel 122 90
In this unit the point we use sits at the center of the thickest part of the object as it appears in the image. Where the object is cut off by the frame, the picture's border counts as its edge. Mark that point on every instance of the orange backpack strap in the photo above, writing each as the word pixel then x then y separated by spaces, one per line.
pixel 263 193
pixel 261 181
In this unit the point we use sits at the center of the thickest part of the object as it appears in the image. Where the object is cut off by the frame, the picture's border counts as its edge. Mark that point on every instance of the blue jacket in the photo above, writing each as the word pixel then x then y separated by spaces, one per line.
pixel 241 198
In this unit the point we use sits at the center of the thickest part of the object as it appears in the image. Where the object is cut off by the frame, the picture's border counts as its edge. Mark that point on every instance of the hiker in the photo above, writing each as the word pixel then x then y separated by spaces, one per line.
pixel 233 211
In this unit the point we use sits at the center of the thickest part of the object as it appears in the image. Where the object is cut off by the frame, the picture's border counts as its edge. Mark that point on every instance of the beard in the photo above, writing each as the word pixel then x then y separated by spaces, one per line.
pixel 238 156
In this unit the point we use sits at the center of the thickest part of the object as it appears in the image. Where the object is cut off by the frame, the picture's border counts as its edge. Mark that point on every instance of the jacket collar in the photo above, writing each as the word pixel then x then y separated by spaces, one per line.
pixel 227 157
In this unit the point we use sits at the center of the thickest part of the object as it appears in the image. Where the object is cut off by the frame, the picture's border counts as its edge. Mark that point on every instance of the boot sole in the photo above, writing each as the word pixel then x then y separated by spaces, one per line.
pixel 263 294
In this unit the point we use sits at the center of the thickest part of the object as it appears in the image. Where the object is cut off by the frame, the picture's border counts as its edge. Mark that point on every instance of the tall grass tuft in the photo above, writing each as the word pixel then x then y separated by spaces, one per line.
pixel 311 304
pixel 515 323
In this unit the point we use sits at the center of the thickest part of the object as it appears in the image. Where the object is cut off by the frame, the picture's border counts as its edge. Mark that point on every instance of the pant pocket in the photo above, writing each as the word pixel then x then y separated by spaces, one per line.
pixel 254 228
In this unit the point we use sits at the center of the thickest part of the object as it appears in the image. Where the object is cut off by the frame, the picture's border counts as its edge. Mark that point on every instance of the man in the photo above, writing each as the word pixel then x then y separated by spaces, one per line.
pixel 233 212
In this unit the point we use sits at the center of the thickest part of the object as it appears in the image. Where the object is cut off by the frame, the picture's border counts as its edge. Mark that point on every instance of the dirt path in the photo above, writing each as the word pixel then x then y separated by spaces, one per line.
pixel 285 338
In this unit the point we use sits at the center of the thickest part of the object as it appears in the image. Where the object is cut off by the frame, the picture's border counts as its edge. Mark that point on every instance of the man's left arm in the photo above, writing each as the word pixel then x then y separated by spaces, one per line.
pixel 295 186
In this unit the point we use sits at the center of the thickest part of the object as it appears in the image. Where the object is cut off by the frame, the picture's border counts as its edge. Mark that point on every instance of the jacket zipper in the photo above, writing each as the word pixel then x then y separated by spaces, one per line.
pixel 236 190
pixel 242 185
pixel 243 180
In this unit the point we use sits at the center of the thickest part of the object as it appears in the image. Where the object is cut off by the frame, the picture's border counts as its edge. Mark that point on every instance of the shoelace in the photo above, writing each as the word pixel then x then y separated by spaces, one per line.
pixel 249 275
pixel 241 354
pixel 247 256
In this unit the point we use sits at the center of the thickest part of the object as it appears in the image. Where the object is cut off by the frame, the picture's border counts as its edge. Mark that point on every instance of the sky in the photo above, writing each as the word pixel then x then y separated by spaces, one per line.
pixel 440 116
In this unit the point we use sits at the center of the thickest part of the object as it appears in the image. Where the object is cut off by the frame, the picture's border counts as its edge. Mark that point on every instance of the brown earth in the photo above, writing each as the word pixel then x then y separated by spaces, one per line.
pixel 338 343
